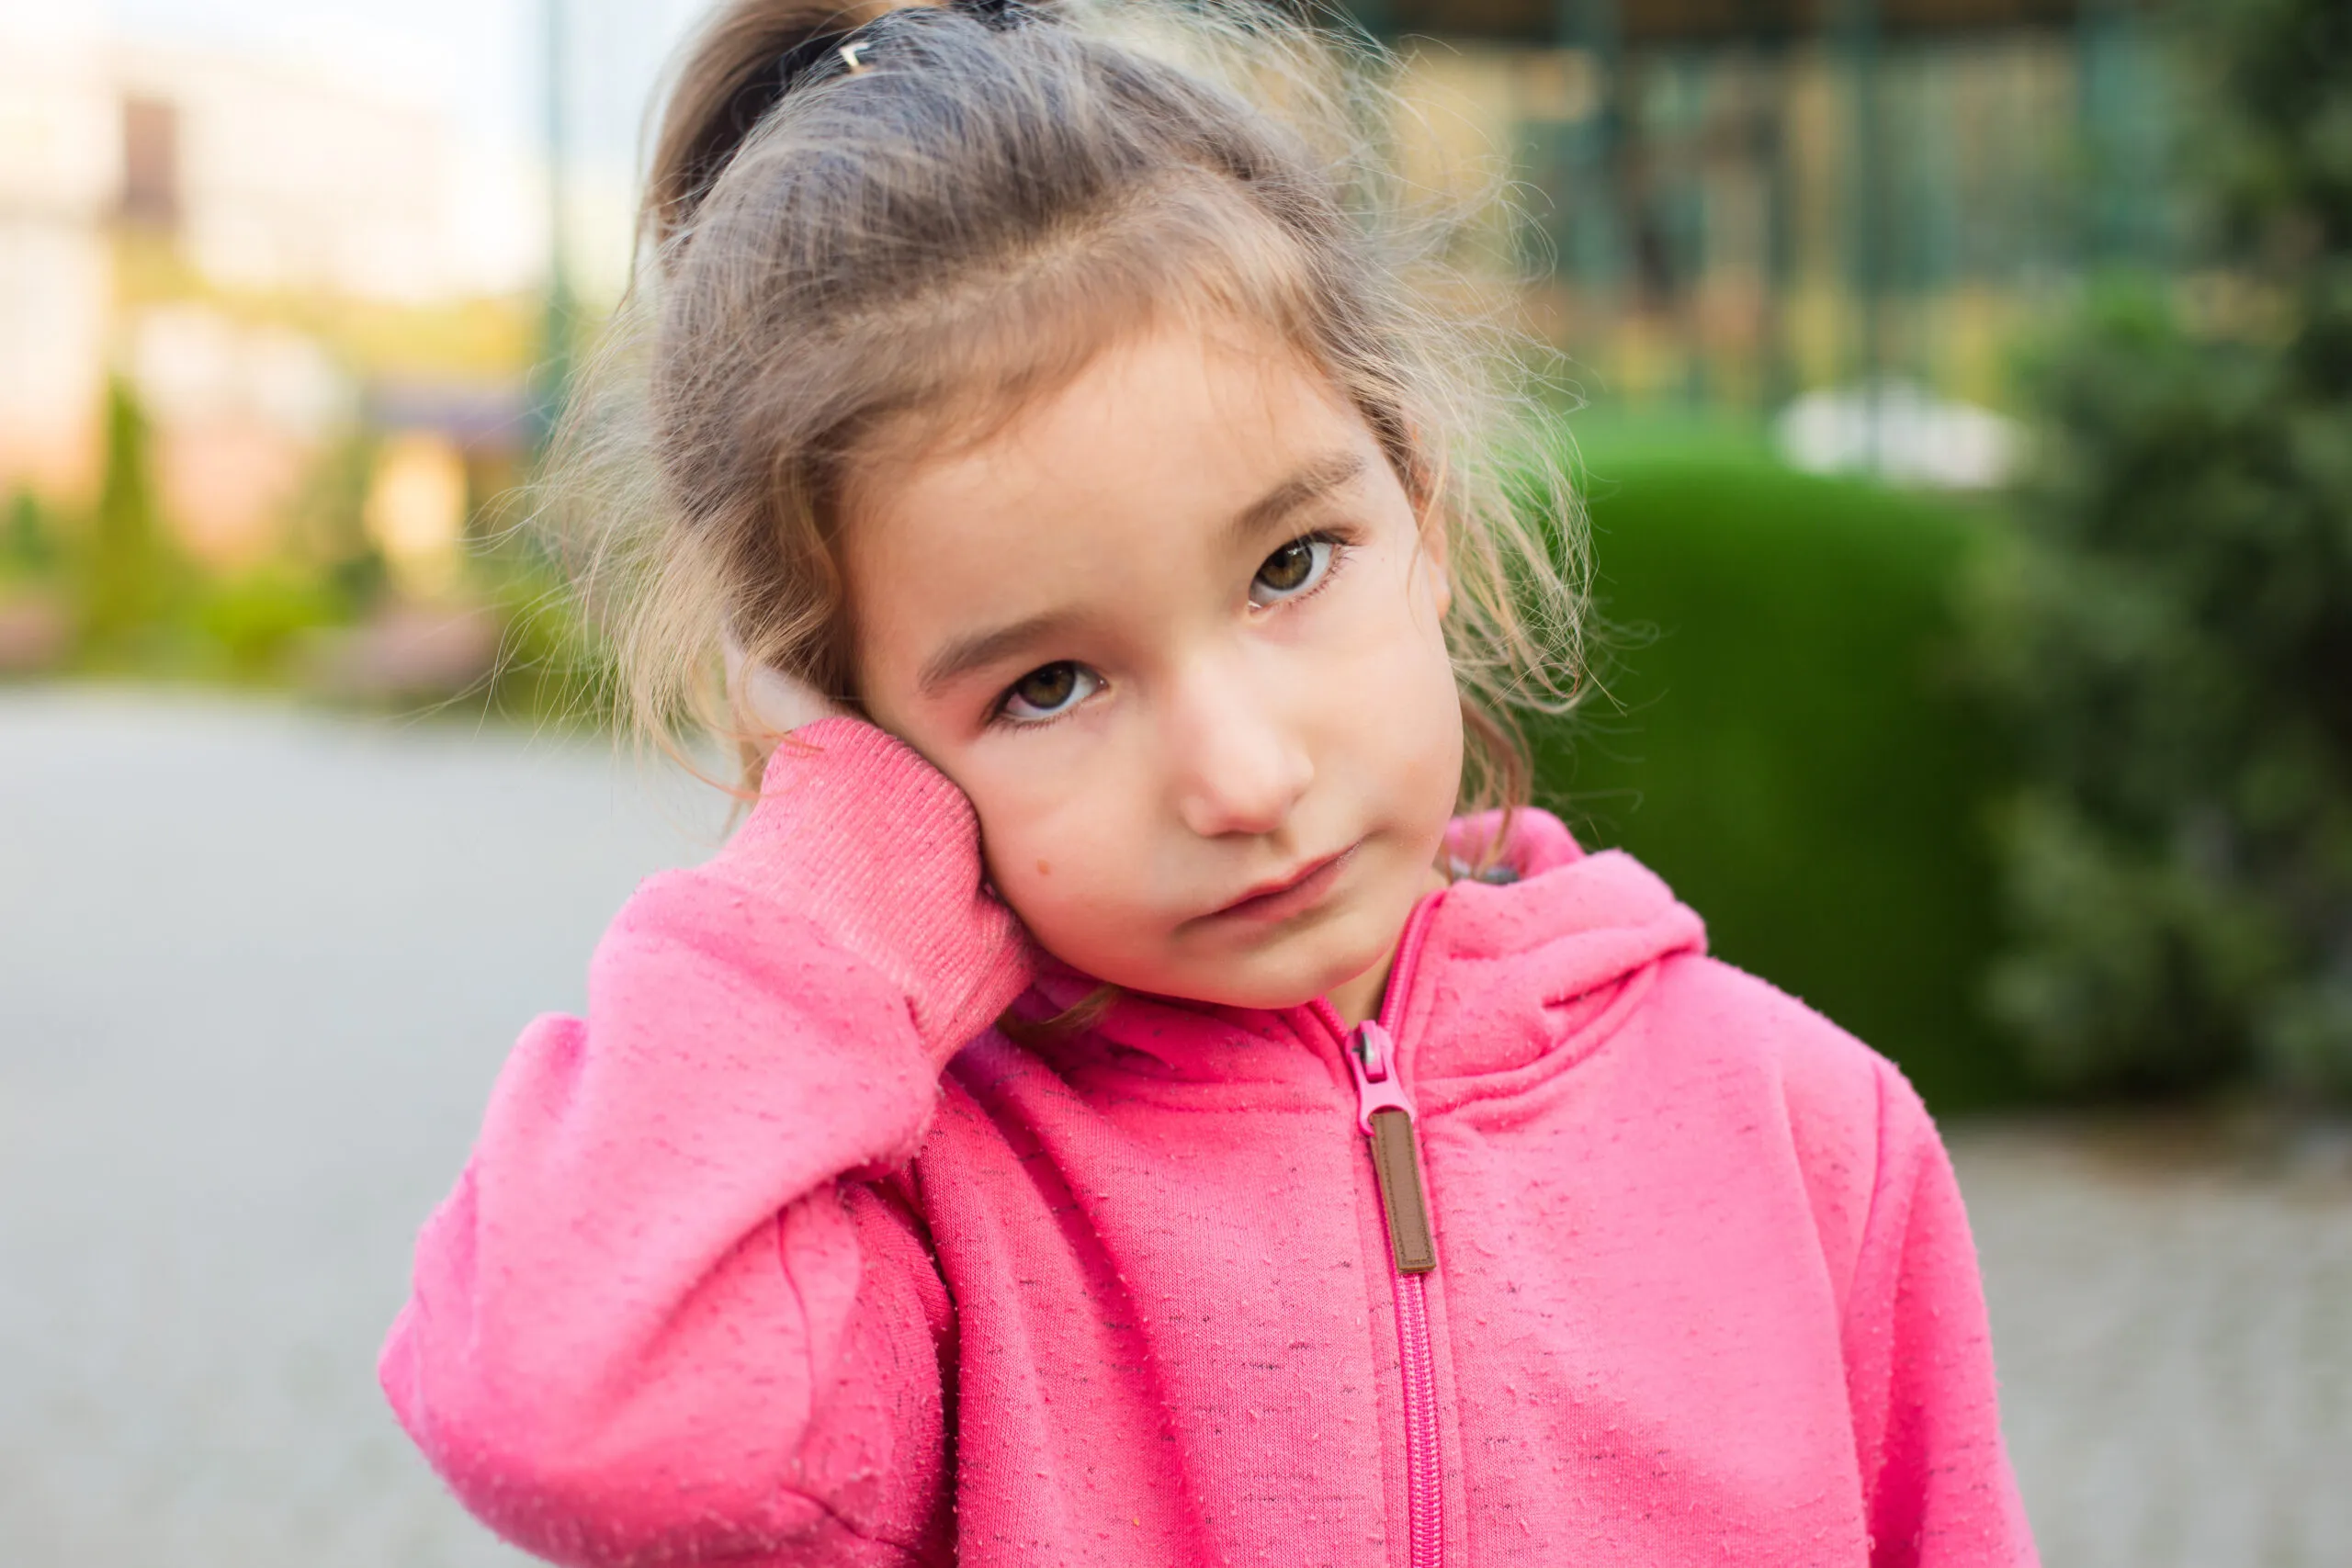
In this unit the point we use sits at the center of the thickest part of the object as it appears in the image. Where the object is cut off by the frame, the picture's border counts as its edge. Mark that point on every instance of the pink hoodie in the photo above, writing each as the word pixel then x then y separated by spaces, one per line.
pixel 784 1256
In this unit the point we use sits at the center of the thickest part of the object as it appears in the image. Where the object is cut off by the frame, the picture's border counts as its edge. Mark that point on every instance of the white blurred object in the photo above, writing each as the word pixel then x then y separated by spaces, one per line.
pixel 1900 432
pixel 239 411
pixel 192 362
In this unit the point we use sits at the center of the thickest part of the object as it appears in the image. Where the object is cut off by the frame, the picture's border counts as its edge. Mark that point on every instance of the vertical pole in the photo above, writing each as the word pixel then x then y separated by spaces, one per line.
pixel 556 325
pixel 2108 88
pixel 1688 238
pixel 1777 377
pixel 1858 30
pixel 1598 245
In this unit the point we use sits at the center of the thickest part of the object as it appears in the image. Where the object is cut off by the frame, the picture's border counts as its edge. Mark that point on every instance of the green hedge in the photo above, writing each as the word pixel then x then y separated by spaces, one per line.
pixel 1784 739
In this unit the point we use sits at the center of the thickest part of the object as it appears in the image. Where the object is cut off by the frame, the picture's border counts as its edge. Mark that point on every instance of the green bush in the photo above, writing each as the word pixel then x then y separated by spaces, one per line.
pixel 251 623
pixel 1782 738
pixel 2173 638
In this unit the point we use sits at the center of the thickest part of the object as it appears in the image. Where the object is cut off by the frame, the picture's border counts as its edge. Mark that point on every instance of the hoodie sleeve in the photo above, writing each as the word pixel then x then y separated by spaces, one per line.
pixel 673 1310
pixel 1919 1364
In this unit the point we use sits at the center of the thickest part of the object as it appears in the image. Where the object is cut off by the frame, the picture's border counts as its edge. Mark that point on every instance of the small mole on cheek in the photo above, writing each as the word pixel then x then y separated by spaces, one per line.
pixel 1044 870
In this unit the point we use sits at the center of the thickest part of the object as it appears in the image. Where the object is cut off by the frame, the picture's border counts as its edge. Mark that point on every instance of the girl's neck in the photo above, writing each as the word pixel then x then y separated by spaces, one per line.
pixel 1359 998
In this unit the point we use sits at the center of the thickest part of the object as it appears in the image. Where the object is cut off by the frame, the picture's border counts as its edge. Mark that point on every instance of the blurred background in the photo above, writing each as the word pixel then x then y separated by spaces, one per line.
pixel 1963 390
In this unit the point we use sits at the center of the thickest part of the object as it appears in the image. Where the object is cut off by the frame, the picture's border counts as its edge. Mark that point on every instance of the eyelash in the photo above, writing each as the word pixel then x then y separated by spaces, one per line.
pixel 1343 547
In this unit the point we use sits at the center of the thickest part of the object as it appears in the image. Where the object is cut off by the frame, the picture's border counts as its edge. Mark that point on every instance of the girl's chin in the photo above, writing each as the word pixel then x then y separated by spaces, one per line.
pixel 1269 986
pixel 1242 965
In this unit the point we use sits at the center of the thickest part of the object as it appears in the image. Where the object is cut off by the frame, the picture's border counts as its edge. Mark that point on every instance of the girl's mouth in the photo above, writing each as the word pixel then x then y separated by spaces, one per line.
pixel 1294 894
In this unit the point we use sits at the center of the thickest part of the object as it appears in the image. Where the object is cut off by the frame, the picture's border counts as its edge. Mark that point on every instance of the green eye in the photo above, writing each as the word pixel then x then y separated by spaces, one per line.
pixel 1291 570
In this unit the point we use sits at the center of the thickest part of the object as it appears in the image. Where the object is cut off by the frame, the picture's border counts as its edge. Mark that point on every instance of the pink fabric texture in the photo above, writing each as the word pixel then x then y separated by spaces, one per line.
pixel 784 1255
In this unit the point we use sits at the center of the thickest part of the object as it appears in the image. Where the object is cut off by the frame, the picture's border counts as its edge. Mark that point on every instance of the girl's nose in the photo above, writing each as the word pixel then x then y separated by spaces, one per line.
pixel 1238 767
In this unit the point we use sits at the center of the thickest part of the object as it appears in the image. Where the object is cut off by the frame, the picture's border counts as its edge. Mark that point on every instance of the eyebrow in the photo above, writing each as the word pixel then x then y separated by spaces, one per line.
pixel 1318 479
pixel 965 654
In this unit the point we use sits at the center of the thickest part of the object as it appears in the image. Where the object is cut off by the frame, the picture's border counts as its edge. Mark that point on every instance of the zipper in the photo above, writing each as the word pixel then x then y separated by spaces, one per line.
pixel 1385 1116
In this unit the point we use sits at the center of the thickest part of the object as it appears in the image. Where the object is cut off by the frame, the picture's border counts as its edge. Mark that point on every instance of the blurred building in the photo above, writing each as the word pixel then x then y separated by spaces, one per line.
pixel 61 179
pixel 276 178
pixel 1732 201
pixel 186 218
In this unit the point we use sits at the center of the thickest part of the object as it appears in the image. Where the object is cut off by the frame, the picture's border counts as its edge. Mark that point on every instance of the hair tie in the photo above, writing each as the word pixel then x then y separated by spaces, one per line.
pixel 821 53
pixel 820 56
pixel 842 50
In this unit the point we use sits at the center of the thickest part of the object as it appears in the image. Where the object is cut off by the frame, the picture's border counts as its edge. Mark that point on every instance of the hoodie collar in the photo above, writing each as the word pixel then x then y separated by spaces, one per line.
pixel 1506 971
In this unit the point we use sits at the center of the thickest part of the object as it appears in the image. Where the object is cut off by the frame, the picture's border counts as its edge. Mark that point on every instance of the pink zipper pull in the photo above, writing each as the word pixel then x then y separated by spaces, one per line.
pixel 1371 1061
pixel 1386 1114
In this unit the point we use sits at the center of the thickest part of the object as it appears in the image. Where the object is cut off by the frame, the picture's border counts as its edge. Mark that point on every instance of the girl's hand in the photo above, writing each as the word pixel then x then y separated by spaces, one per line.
pixel 769 705
pixel 767 701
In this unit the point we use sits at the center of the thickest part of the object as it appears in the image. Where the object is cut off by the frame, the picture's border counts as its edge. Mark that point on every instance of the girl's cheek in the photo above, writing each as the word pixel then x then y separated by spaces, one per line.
pixel 1041 832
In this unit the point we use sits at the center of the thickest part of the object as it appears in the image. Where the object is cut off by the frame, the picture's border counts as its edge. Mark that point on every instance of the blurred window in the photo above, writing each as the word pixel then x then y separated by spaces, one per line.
pixel 151 163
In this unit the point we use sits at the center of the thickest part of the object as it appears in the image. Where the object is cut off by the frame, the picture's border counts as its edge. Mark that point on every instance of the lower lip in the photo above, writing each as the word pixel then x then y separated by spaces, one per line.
pixel 1297 898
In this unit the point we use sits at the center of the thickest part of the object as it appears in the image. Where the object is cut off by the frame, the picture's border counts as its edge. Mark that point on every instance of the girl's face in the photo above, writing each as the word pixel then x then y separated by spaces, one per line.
pixel 1175 632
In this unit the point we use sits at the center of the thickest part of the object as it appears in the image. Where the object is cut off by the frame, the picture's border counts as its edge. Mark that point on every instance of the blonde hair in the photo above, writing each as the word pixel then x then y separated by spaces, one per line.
pixel 953 224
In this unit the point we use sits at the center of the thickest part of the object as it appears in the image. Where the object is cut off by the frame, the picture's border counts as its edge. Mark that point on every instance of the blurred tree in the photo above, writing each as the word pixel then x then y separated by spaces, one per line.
pixel 2173 631
pixel 326 528
pixel 125 581
pixel 28 545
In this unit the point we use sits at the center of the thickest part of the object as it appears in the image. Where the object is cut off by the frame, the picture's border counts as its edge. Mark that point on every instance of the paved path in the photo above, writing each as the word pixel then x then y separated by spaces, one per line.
pixel 258 967
pixel 2174 1329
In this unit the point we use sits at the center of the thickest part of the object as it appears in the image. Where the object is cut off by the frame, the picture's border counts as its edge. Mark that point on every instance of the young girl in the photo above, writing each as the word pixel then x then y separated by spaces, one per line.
pixel 1101 1107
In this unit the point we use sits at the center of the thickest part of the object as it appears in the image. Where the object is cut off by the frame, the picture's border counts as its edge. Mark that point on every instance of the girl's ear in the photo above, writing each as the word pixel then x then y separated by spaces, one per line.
pixel 1424 486
pixel 1423 480
pixel 1432 549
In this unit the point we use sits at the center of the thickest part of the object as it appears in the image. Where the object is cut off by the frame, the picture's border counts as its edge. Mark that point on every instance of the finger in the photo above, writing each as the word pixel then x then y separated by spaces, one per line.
pixel 781 704
pixel 765 700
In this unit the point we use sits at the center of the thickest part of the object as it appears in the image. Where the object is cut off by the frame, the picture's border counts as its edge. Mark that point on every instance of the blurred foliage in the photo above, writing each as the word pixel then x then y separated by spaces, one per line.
pixel 250 625
pixel 326 531
pixel 1783 737
pixel 323 613
pixel 2172 633
pixel 30 550
pixel 129 577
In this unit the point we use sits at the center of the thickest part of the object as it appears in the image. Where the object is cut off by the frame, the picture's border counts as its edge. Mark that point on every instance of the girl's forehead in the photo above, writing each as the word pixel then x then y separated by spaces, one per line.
pixel 1173 419
pixel 985 382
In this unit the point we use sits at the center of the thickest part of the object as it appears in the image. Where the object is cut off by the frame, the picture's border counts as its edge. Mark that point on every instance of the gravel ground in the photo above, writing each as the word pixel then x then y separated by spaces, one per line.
pixel 258 966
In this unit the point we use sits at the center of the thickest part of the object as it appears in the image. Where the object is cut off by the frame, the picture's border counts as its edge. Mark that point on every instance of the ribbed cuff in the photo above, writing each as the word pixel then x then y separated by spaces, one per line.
pixel 858 834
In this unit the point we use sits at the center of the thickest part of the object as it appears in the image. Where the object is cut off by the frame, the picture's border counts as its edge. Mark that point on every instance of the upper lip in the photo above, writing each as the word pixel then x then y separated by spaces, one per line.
pixel 1284 883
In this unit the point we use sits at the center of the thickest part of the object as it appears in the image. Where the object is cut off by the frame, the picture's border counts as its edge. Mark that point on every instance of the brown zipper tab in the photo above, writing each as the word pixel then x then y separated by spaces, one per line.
pixel 1396 1160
